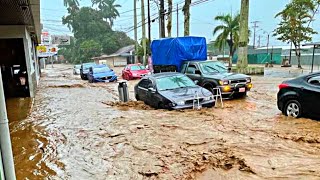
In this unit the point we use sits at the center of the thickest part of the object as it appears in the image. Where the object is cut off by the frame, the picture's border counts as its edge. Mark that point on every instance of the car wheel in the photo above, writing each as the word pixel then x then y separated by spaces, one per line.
pixel 293 108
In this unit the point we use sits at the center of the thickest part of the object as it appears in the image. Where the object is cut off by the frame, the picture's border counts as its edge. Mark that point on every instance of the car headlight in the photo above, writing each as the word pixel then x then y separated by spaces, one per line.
pixel 208 98
pixel 223 82
pixel 180 103
pixel 248 80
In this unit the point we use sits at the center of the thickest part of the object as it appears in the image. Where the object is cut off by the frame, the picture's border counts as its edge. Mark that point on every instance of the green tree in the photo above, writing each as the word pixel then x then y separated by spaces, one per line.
pixel 93 35
pixel 89 49
pixel 69 3
pixel 294 25
pixel 108 9
pixel 140 48
pixel 229 33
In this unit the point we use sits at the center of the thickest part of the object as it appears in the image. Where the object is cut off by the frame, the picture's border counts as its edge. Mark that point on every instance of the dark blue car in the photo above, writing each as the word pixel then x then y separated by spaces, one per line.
pixel 101 73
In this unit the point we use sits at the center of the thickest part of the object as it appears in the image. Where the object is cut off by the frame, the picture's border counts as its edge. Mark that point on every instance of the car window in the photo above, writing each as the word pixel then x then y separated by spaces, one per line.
pixel 314 80
pixel 174 82
pixel 183 67
pixel 137 68
pixel 191 69
pixel 145 83
pixel 213 67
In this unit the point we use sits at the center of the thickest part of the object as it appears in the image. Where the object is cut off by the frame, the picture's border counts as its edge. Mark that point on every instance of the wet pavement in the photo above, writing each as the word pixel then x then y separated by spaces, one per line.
pixel 77 130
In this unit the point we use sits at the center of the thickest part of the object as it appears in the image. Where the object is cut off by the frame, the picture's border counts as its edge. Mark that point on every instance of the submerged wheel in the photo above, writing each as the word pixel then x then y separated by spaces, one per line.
pixel 293 109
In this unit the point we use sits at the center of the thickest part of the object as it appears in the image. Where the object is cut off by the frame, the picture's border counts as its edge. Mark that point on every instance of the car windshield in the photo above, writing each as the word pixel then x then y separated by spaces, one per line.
pixel 77 66
pixel 87 66
pixel 137 68
pixel 100 70
pixel 213 67
pixel 174 82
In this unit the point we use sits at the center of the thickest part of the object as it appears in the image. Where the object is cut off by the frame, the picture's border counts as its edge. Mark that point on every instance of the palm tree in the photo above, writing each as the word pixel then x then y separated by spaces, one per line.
pixel 108 8
pixel 69 3
pixel 229 33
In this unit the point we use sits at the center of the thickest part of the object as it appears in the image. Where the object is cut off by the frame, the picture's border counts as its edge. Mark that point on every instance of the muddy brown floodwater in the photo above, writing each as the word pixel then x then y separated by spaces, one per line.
pixel 77 130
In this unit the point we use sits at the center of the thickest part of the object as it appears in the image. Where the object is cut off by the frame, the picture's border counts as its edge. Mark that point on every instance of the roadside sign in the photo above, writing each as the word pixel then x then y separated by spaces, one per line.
pixel 41 49
pixel 61 39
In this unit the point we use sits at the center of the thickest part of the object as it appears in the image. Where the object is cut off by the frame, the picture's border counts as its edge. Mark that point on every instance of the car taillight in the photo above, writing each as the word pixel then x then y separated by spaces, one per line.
pixel 282 86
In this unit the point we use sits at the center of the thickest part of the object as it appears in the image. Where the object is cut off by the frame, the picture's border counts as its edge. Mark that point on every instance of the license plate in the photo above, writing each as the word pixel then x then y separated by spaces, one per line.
pixel 242 89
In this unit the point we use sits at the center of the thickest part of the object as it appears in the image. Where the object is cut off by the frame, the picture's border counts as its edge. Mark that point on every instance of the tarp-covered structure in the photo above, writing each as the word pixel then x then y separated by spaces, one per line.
pixel 173 51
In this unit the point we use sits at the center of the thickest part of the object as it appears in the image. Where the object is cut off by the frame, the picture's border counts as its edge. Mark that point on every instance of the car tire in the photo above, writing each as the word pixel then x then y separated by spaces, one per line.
pixel 292 108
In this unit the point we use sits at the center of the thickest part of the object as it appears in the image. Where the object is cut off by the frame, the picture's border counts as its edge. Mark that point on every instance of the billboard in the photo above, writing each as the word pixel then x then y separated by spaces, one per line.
pixel 60 39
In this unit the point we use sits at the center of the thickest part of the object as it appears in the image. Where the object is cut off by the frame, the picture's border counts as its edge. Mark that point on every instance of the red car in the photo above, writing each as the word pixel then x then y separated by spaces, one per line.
pixel 134 71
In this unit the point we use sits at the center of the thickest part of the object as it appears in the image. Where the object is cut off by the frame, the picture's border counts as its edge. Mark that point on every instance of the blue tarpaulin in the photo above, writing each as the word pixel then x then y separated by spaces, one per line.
pixel 173 51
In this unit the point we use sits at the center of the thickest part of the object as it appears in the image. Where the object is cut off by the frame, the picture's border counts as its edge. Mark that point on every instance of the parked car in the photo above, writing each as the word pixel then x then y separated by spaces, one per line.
pixel 214 74
pixel 172 91
pixel 84 70
pixel 300 96
pixel 76 69
pixel 134 71
pixel 101 73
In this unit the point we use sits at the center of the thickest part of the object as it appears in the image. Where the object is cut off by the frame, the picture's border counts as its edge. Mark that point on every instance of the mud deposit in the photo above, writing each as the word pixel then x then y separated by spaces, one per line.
pixel 77 130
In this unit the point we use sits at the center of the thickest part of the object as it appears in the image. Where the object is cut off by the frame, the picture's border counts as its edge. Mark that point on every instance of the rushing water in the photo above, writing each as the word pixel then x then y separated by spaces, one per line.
pixel 76 130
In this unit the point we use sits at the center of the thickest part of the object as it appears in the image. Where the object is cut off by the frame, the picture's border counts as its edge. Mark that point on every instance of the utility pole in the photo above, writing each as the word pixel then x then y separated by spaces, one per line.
pixel 259 40
pixel 143 21
pixel 268 44
pixel 149 22
pixel 162 24
pixel 255 26
pixel 135 29
pixel 177 20
pixel 169 22
pixel 5 141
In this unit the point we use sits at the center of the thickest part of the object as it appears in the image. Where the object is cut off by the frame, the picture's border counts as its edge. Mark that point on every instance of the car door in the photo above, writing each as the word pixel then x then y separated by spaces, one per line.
pixel 151 98
pixel 311 95
pixel 191 72
pixel 143 89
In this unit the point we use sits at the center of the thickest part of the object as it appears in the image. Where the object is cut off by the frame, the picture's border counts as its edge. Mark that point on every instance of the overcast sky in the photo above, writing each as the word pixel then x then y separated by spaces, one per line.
pixel 202 17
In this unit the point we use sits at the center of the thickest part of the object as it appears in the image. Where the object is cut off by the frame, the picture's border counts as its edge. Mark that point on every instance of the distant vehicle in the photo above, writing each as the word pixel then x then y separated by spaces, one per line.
pixel 214 74
pixel 300 96
pixel 84 70
pixel 76 69
pixel 172 91
pixel 134 71
pixel 101 73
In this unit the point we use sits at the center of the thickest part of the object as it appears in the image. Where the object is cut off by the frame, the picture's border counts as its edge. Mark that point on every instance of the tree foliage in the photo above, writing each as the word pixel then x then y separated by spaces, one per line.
pixel 229 33
pixel 294 25
pixel 93 35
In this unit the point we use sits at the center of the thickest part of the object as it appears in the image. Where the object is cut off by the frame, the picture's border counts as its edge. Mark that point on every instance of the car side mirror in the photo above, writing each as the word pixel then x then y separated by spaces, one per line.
pixel 152 90
pixel 111 69
pixel 197 72
pixel 229 69
pixel 196 81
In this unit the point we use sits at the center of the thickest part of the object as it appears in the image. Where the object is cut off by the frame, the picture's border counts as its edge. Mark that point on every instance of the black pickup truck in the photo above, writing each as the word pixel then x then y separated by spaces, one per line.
pixel 214 74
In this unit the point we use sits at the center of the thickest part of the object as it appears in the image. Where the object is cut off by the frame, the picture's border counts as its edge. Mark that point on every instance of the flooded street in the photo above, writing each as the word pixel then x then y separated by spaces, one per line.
pixel 77 130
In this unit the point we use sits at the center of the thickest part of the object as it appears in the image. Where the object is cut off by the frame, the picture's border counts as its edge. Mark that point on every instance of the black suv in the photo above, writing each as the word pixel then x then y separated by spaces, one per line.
pixel 214 74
